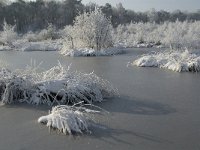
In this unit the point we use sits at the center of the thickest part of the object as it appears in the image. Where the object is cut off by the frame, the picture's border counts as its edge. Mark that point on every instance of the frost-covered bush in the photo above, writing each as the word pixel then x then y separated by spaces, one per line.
pixel 69 119
pixel 177 35
pixel 90 30
pixel 134 34
pixel 179 61
pixel 58 85
pixel 8 35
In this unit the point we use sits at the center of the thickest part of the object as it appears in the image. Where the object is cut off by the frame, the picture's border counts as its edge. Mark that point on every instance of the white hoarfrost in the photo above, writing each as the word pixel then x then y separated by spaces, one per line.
pixel 179 61
pixel 69 119
pixel 58 85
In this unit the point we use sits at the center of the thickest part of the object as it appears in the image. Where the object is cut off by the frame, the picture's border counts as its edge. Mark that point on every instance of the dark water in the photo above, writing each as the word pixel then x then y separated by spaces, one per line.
pixel 157 109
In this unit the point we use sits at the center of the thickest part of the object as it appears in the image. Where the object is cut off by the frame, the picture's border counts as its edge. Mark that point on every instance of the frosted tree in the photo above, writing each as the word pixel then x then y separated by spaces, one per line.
pixel 91 30
pixel 152 15
pixel 8 34
pixel 175 33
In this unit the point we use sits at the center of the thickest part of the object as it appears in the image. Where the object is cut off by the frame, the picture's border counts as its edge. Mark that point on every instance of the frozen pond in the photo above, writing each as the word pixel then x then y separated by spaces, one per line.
pixel 157 109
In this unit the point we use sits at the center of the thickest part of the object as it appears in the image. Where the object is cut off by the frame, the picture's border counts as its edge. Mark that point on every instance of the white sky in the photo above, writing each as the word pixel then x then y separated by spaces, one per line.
pixel 143 5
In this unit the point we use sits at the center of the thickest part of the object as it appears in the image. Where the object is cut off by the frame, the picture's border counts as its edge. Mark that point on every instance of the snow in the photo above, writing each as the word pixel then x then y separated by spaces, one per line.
pixel 58 85
pixel 23 45
pixel 91 52
pixel 5 48
pixel 179 61
pixel 69 119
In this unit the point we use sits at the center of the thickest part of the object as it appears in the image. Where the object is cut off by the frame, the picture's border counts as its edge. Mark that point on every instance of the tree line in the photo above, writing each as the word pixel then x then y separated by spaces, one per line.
pixel 37 15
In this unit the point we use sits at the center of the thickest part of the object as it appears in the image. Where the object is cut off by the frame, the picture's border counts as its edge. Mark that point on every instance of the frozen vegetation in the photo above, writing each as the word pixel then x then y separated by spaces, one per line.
pixel 173 35
pixel 58 85
pixel 70 119
pixel 179 61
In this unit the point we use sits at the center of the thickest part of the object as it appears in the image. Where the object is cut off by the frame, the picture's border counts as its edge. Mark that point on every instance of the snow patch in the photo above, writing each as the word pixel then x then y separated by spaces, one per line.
pixel 23 45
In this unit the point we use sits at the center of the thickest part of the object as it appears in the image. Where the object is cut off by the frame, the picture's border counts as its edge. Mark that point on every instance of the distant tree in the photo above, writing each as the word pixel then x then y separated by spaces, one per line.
pixel 152 16
pixel 90 7
pixel 177 15
pixel 163 16
pixel 121 13
pixel 107 10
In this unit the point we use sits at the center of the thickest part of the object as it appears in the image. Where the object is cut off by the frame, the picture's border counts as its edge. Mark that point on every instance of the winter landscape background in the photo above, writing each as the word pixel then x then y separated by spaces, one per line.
pixel 110 77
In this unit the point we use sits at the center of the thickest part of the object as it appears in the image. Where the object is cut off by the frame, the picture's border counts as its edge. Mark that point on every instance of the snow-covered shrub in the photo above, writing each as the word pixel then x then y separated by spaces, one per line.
pixel 90 30
pixel 58 85
pixel 179 61
pixel 8 35
pixel 69 119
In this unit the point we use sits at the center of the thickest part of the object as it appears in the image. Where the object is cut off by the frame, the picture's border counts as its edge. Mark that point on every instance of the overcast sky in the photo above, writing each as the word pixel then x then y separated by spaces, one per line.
pixel 143 5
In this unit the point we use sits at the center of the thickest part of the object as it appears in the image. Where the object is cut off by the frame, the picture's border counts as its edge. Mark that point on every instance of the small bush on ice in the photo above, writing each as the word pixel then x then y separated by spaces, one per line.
pixel 69 119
